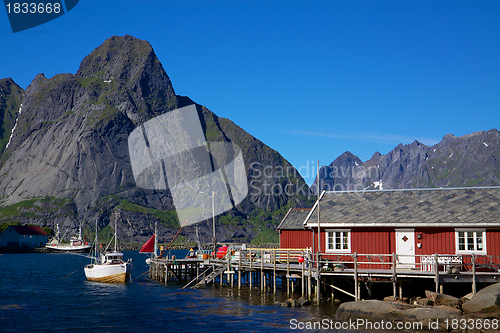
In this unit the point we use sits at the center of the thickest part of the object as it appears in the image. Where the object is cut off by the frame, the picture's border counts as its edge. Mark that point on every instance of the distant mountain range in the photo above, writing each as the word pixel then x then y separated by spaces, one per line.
pixel 64 152
pixel 469 160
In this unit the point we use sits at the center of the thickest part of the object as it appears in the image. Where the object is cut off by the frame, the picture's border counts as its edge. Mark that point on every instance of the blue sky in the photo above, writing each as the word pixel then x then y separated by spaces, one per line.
pixel 311 79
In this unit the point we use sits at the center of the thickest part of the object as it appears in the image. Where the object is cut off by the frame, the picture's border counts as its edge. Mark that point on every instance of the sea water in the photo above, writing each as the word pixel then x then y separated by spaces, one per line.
pixel 43 292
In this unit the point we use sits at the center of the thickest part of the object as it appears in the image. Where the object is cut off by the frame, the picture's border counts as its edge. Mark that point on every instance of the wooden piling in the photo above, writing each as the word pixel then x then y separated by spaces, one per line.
pixel 473 259
pixel 356 289
pixel 394 274
pixel 262 271
pixel 274 272
pixel 436 268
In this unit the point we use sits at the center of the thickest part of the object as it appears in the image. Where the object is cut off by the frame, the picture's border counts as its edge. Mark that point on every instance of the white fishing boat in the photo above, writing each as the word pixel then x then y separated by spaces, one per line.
pixel 109 266
pixel 76 243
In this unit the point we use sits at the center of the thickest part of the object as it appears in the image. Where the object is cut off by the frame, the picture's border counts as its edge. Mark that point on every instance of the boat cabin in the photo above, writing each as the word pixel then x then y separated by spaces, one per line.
pixel 112 258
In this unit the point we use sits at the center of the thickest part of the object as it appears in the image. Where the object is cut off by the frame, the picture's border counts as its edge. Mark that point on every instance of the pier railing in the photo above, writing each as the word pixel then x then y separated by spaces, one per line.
pixel 332 262
pixel 444 263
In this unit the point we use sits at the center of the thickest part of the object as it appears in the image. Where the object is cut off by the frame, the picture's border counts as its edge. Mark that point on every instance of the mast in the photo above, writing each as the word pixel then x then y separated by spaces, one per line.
pixel 116 218
pixel 319 230
pixel 57 233
pixel 156 238
pixel 95 242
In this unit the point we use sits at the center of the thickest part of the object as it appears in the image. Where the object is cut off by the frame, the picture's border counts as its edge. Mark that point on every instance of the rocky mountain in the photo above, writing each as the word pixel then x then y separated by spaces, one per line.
pixel 469 160
pixel 67 159
pixel 11 96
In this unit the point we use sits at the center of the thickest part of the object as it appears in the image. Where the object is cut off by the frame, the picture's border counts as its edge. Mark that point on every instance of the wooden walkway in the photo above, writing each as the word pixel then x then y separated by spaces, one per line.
pixel 262 267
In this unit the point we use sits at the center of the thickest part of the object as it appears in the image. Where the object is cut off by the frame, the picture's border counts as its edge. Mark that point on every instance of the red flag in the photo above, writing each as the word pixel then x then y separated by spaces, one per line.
pixel 149 246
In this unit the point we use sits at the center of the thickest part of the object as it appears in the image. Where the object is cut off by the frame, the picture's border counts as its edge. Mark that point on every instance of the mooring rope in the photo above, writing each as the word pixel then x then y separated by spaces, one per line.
pixel 142 274
pixel 70 273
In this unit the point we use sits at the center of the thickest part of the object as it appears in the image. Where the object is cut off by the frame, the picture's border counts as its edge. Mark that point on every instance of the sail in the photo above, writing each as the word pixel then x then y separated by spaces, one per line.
pixel 148 247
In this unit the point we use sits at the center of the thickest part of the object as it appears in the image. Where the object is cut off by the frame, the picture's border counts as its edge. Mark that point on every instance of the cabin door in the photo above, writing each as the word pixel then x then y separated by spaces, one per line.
pixel 405 248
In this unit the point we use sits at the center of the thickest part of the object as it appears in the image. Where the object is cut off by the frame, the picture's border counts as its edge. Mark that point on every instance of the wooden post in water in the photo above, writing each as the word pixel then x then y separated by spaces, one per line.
pixel 287 273
pixel 274 273
pixel 239 269
pixel 318 279
pixel 356 290
pixel 262 270
pixel 333 290
pixel 230 276
pixel 473 274
pixel 436 268
pixel 250 258
pixel 394 275
pixel 302 279
pixel 309 282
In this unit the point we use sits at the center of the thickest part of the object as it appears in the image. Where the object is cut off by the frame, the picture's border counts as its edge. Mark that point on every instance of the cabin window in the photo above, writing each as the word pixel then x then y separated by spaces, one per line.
pixel 470 240
pixel 338 241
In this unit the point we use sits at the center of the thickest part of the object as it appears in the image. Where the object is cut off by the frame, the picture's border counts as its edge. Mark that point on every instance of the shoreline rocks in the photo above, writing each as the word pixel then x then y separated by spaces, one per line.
pixel 294 303
pixel 397 312
pixel 437 311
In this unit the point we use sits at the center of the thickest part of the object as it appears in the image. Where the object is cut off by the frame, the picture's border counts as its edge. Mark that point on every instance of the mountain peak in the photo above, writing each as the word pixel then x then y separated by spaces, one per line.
pixel 348 156
pixel 131 62
pixel 116 59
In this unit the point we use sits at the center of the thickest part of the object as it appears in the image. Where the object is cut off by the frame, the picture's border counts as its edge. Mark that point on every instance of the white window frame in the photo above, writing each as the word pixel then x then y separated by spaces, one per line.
pixel 329 232
pixel 475 231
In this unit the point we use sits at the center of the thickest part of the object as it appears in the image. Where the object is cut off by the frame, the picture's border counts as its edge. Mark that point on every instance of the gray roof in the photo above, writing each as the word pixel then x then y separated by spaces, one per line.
pixel 479 206
pixel 294 219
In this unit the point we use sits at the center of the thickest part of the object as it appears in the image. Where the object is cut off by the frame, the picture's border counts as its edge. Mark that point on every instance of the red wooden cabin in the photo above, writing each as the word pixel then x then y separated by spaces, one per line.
pixel 415 224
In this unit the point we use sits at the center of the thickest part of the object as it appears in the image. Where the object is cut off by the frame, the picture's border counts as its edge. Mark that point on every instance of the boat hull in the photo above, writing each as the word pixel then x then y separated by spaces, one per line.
pixel 115 273
pixel 69 248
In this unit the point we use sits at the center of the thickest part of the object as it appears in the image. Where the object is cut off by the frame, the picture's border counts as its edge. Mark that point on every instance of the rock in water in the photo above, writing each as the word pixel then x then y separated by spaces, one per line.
pixel 303 301
pixel 443 299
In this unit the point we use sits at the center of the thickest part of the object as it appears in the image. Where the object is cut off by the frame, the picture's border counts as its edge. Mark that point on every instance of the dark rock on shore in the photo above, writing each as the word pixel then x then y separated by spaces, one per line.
pixel 443 299
pixel 303 301
pixel 371 309
pixel 375 310
pixel 294 303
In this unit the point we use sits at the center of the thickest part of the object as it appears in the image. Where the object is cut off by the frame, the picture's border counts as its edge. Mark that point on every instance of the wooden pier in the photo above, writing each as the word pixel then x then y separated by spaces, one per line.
pixel 312 275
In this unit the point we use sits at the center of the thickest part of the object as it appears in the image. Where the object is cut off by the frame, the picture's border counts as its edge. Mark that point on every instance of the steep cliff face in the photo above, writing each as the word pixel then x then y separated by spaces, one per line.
pixel 68 159
pixel 11 96
pixel 469 160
